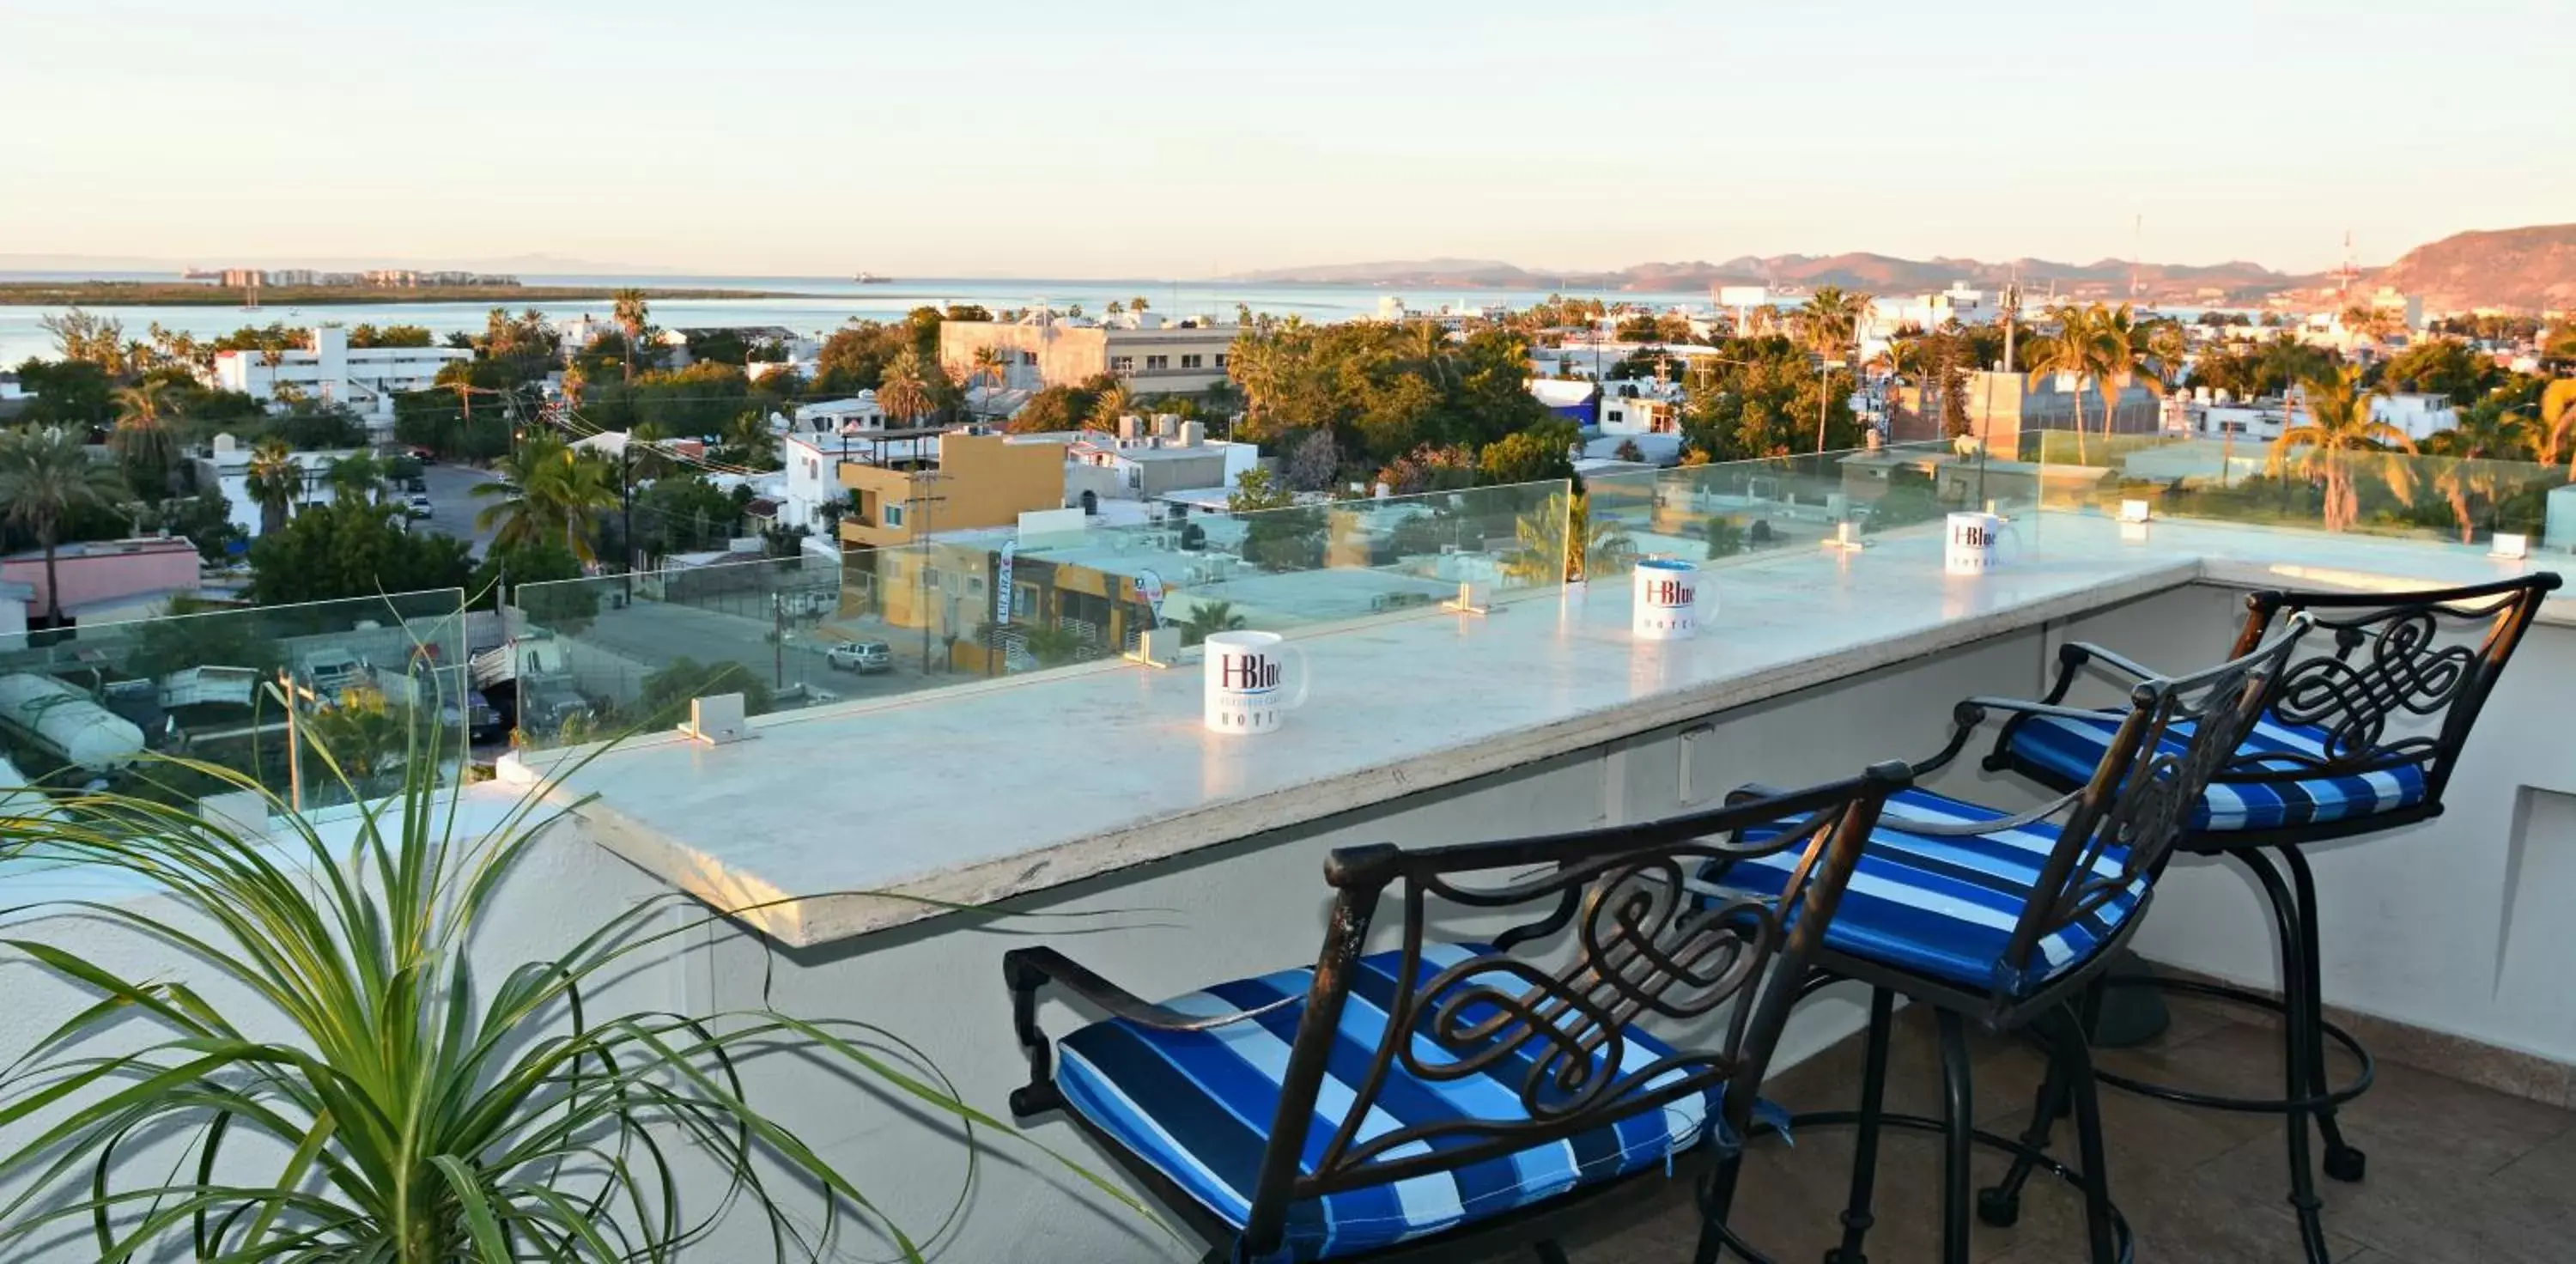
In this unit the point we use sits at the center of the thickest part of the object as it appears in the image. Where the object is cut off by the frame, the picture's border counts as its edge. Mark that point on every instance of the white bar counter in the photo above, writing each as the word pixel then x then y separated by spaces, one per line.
pixel 872 815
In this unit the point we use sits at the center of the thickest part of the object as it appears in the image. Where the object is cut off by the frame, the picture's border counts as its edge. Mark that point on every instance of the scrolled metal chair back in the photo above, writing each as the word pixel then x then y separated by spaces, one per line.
pixel 1549 1013
pixel 2397 679
pixel 2178 734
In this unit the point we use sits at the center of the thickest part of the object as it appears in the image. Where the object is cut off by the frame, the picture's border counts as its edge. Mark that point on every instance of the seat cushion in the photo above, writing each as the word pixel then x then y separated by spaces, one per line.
pixel 1198 1106
pixel 2070 749
pixel 1946 906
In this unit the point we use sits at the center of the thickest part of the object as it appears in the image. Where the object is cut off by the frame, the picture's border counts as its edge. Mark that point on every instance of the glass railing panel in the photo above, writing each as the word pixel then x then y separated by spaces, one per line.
pixel 2379 491
pixel 378 682
pixel 593 658
pixel 1745 509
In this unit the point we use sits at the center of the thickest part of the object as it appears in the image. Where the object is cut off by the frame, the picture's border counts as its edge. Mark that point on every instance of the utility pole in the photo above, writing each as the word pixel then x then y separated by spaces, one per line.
pixel 921 527
pixel 626 508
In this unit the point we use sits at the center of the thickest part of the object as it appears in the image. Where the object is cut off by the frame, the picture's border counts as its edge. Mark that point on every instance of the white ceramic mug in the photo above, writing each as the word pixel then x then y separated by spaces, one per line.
pixel 1975 543
pixel 1250 686
pixel 1667 606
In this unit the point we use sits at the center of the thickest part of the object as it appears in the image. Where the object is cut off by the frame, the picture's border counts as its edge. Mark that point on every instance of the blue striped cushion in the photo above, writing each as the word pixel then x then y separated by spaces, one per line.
pixel 1946 907
pixel 1199 1107
pixel 2071 749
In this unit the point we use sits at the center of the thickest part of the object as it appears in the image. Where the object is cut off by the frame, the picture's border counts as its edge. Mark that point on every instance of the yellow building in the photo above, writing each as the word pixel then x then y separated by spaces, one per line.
pixel 974 481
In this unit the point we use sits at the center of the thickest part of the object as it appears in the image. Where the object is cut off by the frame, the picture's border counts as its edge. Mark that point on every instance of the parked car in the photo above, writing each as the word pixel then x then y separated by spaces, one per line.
pixel 864 657
pixel 415 485
pixel 417 506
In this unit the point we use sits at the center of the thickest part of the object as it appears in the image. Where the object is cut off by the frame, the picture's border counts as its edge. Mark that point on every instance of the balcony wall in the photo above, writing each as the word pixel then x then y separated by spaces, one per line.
pixel 2450 925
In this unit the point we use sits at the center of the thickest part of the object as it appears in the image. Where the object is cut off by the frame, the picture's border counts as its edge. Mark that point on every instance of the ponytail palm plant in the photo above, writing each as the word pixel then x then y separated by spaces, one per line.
pixel 340 1084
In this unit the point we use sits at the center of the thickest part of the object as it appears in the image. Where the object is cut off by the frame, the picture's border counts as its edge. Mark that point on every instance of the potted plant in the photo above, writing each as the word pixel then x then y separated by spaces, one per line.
pixel 343 1085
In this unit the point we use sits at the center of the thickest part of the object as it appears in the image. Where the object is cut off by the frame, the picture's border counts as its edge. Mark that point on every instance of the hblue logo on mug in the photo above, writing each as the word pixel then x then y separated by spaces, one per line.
pixel 1248 683
pixel 1668 593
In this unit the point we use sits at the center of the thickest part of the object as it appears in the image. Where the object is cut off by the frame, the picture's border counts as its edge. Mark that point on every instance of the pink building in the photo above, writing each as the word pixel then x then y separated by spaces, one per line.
pixel 105 578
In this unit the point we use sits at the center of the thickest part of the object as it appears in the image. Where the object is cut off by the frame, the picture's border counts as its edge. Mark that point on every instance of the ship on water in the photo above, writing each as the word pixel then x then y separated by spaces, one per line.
pixel 870 278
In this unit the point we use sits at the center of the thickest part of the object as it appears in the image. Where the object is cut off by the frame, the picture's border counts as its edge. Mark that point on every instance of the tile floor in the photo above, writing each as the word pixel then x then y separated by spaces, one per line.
pixel 2457 1172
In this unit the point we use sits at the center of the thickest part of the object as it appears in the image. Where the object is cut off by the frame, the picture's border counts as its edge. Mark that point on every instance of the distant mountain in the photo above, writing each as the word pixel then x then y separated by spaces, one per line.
pixel 2231 282
pixel 2532 269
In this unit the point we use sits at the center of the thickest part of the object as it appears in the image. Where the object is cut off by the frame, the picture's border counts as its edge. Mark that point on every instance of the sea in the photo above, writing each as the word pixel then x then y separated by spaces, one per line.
pixel 821 303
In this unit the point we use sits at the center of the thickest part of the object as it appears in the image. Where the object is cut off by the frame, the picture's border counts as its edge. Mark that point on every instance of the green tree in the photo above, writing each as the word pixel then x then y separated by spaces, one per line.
pixel 143 438
pixel 275 481
pixel 664 700
pixel 351 548
pixel 1053 646
pixel 1544 554
pixel 547 491
pixel 2339 440
pixel 1208 618
pixel 46 476
pixel 2443 366
pixel 1725 536
pixel 1530 456
pixel 1829 323
pixel 904 393
pixel 71 393
pixel 2081 347
pixel 356 478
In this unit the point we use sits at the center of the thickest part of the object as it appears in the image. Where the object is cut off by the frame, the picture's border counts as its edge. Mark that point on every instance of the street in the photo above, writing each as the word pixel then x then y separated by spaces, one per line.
pixel 453 503
pixel 653 634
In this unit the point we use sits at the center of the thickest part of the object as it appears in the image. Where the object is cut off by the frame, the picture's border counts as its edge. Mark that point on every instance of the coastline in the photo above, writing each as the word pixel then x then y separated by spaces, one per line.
pixel 198 294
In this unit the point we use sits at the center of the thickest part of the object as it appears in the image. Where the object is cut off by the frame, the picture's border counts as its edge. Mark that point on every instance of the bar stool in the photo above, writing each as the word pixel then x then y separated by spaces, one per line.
pixel 2360 738
pixel 1444 1100
pixel 2010 918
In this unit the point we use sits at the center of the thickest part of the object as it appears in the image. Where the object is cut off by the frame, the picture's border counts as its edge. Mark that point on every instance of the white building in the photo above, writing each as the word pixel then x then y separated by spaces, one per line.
pixel 1148 460
pixel 1641 408
pixel 363 379
pixel 2420 416
pixel 821 436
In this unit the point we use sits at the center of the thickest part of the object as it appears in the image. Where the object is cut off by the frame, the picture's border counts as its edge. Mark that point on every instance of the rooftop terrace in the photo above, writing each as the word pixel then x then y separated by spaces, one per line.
pixel 1008 759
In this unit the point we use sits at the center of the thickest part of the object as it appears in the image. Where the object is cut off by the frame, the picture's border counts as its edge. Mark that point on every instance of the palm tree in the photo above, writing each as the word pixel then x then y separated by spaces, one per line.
pixel 993 366
pixel 45 475
pixel 1209 618
pixel 2340 435
pixel 2479 445
pixel 903 392
pixel 2558 422
pixel 1112 404
pixel 275 481
pixel 2149 353
pixel 631 312
pixel 354 478
pixel 2078 347
pixel 142 438
pixel 1830 324
pixel 1543 556
pixel 546 491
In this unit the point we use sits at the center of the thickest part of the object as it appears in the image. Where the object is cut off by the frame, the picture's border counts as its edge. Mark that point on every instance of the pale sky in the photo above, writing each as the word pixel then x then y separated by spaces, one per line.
pixel 1123 138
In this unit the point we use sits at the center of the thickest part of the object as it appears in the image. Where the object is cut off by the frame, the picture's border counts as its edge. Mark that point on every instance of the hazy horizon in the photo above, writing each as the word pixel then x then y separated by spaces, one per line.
pixel 1126 141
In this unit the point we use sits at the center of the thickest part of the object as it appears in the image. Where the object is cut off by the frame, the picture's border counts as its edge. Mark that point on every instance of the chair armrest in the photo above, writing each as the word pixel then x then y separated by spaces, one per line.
pixel 1025 970
pixel 1028 968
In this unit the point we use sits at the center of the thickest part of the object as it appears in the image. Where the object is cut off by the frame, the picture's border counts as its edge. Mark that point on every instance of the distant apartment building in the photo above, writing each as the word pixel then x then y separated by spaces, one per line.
pixel 967 481
pixel 328 368
pixel 1151 460
pixel 382 278
pixel 1153 356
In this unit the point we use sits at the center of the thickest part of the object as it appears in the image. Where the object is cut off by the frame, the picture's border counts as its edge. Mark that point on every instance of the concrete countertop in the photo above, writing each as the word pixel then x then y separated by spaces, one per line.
pixel 878 814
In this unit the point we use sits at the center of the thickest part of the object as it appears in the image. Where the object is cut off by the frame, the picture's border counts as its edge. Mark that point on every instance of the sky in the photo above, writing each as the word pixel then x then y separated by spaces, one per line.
pixel 1120 138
